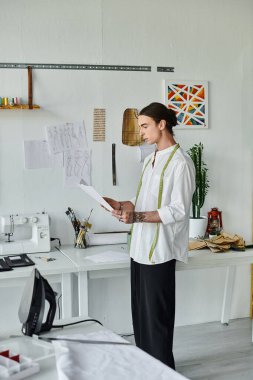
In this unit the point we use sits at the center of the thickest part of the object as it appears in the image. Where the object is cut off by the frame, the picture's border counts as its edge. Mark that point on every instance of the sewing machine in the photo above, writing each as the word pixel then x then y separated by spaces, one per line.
pixel 24 233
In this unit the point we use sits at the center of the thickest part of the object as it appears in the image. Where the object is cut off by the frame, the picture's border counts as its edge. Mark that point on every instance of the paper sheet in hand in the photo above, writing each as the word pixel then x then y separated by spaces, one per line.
pixel 94 194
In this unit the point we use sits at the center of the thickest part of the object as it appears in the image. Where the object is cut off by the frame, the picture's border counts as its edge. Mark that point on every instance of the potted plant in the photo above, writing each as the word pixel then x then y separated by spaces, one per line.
pixel 198 223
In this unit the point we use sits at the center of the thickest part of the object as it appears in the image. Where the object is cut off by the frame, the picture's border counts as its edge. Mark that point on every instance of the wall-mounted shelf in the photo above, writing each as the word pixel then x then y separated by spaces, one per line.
pixel 30 105
pixel 19 107
pixel 30 66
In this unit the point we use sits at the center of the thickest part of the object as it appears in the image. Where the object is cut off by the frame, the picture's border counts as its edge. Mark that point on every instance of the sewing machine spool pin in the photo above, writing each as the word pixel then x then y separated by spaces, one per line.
pixel 9 234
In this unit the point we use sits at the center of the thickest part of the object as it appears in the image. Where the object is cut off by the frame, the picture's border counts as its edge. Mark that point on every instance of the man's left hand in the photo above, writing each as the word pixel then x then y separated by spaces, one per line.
pixel 124 216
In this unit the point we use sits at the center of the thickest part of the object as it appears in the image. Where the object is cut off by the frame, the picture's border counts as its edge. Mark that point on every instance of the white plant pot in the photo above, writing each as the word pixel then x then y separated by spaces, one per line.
pixel 197 228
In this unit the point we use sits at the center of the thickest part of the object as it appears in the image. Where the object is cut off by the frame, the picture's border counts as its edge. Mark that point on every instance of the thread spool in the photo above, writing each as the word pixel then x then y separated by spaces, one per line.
pixel 5 101
pixel 11 102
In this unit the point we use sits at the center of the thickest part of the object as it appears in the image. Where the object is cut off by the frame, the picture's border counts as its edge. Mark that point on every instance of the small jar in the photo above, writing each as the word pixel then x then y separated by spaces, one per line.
pixel 80 241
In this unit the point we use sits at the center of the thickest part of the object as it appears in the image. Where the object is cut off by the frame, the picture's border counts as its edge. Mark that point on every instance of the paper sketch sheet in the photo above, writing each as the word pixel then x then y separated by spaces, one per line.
pixel 108 256
pixel 77 166
pixel 94 194
pixel 67 136
pixel 38 156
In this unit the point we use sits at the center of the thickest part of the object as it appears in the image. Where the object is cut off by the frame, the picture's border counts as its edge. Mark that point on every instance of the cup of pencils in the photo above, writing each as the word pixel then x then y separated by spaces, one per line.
pixel 81 227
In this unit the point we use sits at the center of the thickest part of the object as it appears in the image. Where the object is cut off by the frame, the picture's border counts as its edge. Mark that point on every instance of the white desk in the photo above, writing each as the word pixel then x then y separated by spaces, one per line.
pixel 87 269
pixel 71 260
pixel 198 259
pixel 57 271
pixel 204 259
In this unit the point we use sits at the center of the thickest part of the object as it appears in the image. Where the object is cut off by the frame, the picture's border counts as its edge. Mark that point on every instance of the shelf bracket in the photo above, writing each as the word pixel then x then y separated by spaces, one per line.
pixel 30 88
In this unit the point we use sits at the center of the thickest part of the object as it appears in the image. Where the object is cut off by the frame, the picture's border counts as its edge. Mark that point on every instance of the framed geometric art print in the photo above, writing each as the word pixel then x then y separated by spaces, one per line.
pixel 189 99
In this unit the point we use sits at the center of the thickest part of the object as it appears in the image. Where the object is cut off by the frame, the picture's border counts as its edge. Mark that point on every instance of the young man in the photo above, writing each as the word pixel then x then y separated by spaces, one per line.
pixel 160 217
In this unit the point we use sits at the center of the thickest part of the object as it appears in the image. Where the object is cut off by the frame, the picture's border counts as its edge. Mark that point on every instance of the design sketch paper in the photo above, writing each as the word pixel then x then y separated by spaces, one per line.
pixel 38 156
pixel 77 164
pixel 94 194
pixel 66 137
pixel 109 256
pixel 146 150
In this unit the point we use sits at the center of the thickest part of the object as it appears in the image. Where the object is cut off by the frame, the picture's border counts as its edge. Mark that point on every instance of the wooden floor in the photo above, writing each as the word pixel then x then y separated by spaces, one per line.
pixel 212 351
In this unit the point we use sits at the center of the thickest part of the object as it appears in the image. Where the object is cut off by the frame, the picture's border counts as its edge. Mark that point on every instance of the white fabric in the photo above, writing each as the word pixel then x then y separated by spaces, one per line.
pixel 178 188
pixel 79 361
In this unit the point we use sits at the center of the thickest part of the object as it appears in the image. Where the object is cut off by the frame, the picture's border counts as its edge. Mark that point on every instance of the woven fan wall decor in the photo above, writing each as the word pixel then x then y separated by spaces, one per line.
pixel 130 128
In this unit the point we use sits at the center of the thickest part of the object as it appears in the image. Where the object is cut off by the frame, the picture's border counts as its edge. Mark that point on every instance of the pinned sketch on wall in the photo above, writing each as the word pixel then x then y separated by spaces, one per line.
pixel 77 165
pixel 130 128
pixel 189 99
pixel 99 124
pixel 70 138
pixel 38 156
pixel 66 136
pixel 146 150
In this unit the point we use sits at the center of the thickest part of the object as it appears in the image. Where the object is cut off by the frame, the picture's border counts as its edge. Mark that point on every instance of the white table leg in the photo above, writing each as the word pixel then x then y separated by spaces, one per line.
pixel 83 293
pixel 66 286
pixel 227 297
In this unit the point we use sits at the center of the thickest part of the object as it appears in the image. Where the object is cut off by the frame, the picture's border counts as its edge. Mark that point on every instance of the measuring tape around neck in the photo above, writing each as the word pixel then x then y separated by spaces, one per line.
pixel 160 193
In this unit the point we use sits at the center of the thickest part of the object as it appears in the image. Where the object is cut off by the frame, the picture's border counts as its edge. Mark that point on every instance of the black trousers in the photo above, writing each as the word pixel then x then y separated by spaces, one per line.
pixel 153 308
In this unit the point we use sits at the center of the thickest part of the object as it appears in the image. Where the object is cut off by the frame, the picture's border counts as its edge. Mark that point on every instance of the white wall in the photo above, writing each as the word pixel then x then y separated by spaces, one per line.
pixel 202 39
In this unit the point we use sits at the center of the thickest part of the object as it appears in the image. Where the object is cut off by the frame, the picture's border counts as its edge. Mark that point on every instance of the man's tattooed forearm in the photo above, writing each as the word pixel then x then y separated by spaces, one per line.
pixel 139 217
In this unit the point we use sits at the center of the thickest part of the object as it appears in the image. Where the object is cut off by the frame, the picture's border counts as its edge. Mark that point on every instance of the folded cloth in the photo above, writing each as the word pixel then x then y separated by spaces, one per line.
pixel 220 243
pixel 86 361
pixel 197 244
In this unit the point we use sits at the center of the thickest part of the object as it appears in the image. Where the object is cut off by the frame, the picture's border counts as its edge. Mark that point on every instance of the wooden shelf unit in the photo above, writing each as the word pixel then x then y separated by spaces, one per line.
pixel 30 105
pixel 19 107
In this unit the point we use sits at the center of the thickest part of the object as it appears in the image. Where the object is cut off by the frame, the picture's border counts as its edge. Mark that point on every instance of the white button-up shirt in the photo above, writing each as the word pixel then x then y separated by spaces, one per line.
pixel 178 188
